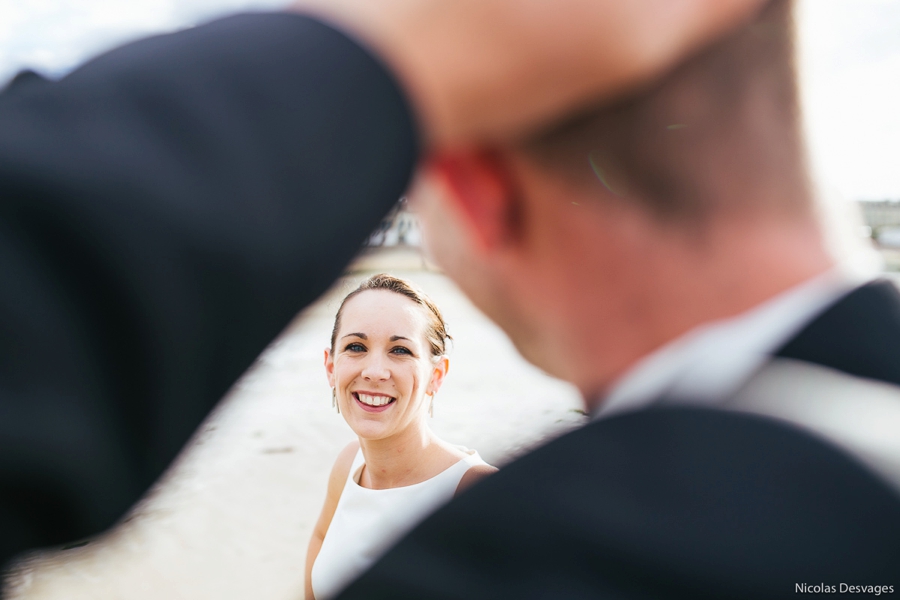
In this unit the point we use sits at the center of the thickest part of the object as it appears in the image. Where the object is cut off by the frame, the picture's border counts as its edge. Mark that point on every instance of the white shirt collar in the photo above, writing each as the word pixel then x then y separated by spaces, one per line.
pixel 710 362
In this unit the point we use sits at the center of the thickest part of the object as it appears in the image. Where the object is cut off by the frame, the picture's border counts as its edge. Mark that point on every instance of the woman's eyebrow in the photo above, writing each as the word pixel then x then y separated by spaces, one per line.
pixel 359 335
pixel 394 338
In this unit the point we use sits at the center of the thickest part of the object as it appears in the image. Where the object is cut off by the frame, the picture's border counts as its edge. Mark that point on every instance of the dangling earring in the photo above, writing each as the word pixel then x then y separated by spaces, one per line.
pixel 431 406
pixel 334 403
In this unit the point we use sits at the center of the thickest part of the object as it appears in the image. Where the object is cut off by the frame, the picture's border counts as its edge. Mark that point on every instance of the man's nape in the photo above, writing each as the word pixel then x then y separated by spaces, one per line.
pixel 715 134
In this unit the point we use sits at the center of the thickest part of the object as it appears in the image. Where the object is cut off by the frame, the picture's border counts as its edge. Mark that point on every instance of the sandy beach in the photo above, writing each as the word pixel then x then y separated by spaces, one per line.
pixel 233 516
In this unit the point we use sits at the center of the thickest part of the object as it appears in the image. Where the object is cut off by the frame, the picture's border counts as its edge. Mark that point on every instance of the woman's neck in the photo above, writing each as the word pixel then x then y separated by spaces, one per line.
pixel 407 458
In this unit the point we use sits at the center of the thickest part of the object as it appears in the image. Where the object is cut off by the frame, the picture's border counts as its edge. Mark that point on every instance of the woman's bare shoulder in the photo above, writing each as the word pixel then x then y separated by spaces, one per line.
pixel 336 481
pixel 474 474
pixel 343 462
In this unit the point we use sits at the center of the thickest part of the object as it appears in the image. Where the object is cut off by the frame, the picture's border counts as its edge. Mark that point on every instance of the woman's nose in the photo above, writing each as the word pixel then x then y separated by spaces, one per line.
pixel 375 369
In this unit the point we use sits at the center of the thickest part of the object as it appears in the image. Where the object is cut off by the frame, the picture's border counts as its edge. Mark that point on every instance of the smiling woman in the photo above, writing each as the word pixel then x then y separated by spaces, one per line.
pixel 386 362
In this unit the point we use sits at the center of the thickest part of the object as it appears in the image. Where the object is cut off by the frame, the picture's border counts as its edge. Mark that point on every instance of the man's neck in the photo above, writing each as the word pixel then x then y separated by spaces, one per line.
pixel 710 363
pixel 681 282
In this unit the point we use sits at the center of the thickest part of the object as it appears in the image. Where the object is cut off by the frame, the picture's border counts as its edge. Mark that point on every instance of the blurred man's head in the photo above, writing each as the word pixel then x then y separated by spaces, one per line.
pixel 681 148
pixel 597 241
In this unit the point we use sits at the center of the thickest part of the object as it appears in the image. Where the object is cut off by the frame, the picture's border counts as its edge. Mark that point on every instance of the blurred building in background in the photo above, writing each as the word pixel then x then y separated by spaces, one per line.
pixel 882 220
pixel 398 228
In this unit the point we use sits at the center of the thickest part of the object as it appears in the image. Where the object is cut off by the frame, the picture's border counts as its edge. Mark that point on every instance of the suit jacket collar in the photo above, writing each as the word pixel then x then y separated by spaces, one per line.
pixel 858 335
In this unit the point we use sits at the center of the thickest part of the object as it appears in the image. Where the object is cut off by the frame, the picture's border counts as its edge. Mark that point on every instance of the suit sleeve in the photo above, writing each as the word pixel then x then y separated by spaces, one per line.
pixel 164 211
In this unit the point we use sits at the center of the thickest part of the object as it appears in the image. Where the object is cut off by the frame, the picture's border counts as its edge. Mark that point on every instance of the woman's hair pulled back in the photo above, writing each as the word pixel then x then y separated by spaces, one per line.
pixel 436 329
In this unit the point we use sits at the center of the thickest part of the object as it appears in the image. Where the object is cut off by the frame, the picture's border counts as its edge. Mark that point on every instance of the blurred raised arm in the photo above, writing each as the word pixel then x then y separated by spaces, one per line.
pixel 165 210
pixel 493 68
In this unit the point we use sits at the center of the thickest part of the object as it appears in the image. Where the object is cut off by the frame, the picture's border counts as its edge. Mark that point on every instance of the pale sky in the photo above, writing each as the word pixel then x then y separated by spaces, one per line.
pixel 849 57
pixel 850 69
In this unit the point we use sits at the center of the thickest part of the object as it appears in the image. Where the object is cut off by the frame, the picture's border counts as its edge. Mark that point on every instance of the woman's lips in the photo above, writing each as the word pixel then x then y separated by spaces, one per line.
pixel 373 398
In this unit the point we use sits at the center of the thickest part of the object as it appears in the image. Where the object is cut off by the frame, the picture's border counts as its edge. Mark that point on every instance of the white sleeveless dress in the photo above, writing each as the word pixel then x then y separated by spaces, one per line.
pixel 368 522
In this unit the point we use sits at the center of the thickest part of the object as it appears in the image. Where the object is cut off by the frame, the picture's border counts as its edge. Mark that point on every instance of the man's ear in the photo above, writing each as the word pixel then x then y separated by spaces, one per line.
pixel 479 186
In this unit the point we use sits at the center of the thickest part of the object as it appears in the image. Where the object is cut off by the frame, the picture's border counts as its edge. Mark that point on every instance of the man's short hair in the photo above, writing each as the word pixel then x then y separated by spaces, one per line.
pixel 717 123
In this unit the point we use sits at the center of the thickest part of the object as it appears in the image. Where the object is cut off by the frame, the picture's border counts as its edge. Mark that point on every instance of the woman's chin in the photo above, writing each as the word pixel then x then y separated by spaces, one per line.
pixel 369 427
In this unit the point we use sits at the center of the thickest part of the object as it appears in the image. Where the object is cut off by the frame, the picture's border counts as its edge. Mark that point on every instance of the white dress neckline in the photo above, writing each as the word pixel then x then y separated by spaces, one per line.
pixel 356 470
pixel 367 522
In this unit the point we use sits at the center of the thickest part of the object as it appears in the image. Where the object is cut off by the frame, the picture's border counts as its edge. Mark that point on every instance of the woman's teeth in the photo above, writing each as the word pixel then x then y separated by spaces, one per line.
pixel 373 400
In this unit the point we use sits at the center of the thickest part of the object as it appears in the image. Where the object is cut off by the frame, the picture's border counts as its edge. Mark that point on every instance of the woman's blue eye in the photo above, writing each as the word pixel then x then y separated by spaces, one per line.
pixel 401 350
pixel 355 348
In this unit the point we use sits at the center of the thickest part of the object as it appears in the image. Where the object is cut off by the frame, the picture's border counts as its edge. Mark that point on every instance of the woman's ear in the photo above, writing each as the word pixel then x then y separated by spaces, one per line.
pixel 329 367
pixel 478 185
pixel 438 372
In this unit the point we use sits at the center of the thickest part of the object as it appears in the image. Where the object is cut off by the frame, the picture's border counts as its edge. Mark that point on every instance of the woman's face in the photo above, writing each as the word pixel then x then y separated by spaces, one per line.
pixel 381 367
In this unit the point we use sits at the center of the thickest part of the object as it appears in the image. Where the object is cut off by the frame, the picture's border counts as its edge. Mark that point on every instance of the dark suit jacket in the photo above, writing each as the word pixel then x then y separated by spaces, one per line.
pixel 674 502
pixel 165 210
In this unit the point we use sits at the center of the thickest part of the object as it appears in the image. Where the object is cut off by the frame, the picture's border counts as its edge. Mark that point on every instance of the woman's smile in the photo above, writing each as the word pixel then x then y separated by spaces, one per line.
pixel 373 402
